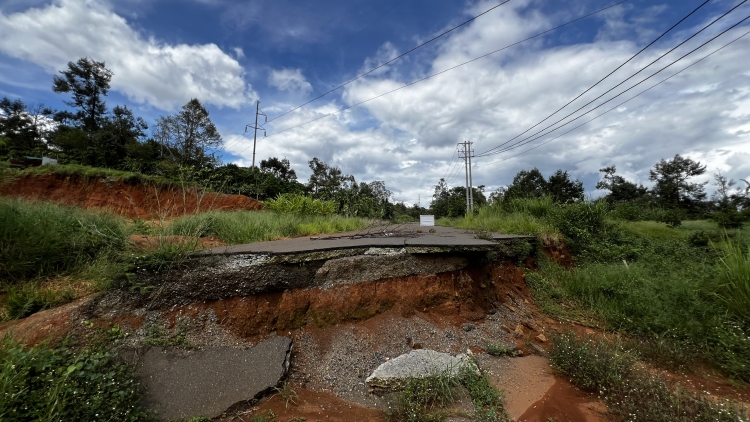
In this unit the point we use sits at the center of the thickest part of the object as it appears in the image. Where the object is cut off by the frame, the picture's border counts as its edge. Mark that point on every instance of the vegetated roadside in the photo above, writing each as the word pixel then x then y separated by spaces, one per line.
pixel 677 297
pixel 52 254
pixel 131 195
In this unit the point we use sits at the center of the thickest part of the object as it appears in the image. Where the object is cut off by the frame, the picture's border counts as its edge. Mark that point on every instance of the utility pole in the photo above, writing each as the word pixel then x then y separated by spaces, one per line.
pixel 256 127
pixel 467 164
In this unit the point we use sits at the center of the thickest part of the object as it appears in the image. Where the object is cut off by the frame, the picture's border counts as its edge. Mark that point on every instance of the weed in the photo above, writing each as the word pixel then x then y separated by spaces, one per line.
pixel 734 273
pixel 287 393
pixel 42 383
pixel 293 203
pixel 30 298
pixel 157 335
pixel 496 349
pixel 425 399
pixel 606 369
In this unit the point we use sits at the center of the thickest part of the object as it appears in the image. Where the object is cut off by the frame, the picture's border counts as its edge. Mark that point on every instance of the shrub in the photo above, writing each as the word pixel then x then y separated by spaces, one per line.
pixel 537 207
pixel 672 217
pixel 39 238
pixel 58 385
pixel 582 223
pixel 729 218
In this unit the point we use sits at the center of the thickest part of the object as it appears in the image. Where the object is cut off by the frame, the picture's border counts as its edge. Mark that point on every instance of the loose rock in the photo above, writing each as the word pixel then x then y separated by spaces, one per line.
pixel 393 374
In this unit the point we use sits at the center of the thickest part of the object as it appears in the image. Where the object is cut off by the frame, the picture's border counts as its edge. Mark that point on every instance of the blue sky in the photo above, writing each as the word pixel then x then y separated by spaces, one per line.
pixel 284 53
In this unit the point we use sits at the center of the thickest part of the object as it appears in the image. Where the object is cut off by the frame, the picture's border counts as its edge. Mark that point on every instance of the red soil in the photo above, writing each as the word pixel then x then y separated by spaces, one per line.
pixel 443 295
pixel 132 201
pixel 312 406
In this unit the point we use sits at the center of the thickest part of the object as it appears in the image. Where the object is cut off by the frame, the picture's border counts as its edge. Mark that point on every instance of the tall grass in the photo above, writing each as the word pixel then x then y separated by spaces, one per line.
pixel 498 219
pixel 734 278
pixel 41 239
pixel 237 227
pixel 292 203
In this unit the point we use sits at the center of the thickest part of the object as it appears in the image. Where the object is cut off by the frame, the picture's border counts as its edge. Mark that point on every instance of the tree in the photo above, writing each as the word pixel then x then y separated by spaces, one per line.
pixel 119 129
pixel 672 187
pixel 326 181
pixel 563 190
pixel 620 190
pixel 527 184
pixel 21 130
pixel 281 169
pixel 88 81
pixel 187 135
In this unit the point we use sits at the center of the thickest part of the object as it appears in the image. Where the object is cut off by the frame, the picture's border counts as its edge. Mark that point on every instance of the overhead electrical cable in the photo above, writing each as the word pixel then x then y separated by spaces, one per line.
pixel 496 149
pixel 609 74
pixel 528 140
pixel 393 59
pixel 447 70
pixel 627 101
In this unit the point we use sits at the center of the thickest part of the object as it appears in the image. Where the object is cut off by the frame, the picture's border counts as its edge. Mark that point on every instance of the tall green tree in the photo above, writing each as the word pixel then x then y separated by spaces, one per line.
pixel 326 181
pixel 189 135
pixel 563 190
pixel 119 129
pixel 527 184
pixel 620 190
pixel 21 128
pixel 88 82
pixel 673 188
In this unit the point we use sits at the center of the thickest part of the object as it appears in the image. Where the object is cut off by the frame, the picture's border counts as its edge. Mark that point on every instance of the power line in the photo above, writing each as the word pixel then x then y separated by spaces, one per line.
pixel 394 59
pixel 608 75
pixel 526 140
pixel 624 102
pixel 351 38
pixel 447 70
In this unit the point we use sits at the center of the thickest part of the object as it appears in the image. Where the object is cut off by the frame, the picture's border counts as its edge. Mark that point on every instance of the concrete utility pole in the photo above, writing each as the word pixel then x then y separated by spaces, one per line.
pixel 467 164
pixel 256 127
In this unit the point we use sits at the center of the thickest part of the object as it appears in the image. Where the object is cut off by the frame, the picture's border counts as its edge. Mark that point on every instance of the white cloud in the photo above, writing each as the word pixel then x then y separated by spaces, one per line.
pixel 289 80
pixel 488 102
pixel 145 69
pixel 239 52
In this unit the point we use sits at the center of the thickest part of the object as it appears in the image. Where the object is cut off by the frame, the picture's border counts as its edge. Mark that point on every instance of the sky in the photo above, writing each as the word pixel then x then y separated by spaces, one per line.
pixel 231 53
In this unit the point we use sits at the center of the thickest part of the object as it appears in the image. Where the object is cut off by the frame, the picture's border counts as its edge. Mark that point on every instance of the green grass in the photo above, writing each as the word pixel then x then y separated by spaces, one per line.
pixel 497 220
pixel 238 227
pixel 608 370
pixel 734 279
pixel 57 384
pixel 30 298
pixel 87 173
pixel 292 203
pixel 426 399
pixel 39 239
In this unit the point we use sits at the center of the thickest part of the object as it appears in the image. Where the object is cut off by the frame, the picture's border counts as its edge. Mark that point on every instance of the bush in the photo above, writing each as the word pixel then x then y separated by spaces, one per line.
pixel 537 207
pixel 729 218
pixel 582 223
pixel 57 385
pixel 40 238
pixel 672 217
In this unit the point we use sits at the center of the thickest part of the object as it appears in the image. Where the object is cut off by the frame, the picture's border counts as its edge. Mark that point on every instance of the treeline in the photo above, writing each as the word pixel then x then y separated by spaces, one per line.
pixel 181 147
pixel 673 198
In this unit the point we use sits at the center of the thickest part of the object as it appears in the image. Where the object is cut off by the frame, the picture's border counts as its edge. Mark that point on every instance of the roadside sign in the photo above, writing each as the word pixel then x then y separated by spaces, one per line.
pixel 426 220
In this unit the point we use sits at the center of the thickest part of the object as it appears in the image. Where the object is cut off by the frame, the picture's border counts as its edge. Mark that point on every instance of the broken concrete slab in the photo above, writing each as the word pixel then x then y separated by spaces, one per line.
pixel 183 384
pixel 420 363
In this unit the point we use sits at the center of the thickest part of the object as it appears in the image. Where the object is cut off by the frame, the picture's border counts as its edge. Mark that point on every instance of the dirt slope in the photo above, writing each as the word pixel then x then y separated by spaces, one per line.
pixel 145 201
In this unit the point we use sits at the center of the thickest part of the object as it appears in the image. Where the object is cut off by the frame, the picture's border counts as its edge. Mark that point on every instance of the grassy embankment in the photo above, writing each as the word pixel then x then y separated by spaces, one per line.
pixel 680 296
pixel 50 254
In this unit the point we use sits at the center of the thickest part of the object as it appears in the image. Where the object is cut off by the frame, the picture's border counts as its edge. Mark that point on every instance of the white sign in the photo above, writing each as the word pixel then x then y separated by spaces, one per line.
pixel 426 220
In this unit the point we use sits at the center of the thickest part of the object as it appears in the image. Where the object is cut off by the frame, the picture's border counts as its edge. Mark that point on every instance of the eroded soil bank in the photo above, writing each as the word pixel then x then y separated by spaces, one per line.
pixel 137 200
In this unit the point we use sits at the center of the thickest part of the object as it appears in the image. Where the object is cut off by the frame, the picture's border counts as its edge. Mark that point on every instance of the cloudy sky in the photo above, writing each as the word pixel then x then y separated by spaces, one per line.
pixel 231 53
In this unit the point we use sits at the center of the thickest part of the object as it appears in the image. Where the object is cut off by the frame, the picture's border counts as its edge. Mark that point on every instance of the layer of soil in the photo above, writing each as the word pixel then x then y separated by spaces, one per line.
pixel 145 201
